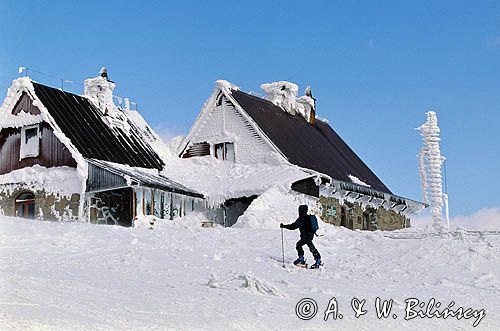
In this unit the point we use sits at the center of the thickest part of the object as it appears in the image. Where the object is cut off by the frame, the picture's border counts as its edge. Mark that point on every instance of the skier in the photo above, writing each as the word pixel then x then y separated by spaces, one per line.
pixel 307 225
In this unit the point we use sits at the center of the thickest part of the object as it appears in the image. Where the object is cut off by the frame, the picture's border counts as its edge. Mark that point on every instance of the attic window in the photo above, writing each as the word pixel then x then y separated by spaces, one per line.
pixel 224 151
pixel 219 100
pixel 30 141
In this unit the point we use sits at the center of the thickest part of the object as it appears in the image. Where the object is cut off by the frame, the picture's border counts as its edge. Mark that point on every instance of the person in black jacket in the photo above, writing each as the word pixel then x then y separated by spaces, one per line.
pixel 303 223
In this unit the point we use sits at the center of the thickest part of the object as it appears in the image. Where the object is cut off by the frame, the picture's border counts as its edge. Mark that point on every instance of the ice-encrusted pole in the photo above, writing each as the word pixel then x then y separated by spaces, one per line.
pixel 430 162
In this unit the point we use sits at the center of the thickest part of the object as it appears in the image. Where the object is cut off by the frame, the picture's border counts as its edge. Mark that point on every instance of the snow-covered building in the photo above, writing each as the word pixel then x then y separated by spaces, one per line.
pixel 283 130
pixel 65 156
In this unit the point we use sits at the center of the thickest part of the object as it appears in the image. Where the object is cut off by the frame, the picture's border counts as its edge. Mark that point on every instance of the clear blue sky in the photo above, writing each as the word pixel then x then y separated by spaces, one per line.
pixel 375 67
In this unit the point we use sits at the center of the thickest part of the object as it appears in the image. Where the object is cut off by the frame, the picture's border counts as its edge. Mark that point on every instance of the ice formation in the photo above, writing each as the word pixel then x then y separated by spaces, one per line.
pixel 284 95
pixel 357 181
pixel 100 90
pixel 430 162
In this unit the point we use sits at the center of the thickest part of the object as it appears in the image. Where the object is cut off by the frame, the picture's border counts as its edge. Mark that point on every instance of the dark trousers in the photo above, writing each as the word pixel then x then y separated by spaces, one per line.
pixel 307 240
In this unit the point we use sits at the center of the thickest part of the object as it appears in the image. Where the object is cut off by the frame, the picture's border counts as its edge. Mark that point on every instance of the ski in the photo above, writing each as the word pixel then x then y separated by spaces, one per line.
pixel 301 266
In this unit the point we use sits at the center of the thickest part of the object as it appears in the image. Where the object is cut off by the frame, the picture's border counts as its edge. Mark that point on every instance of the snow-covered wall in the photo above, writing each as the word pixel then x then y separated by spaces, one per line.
pixel 56 190
pixel 224 123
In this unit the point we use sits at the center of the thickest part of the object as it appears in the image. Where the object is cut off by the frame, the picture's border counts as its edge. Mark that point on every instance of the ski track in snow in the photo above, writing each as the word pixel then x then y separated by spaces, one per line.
pixel 60 276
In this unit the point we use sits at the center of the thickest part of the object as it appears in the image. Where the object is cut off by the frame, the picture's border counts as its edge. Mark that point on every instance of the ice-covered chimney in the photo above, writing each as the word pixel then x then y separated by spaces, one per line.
pixel 100 90
pixel 282 94
pixel 309 104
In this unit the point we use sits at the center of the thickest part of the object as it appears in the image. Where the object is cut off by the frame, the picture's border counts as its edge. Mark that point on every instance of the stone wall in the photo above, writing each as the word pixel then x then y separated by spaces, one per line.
pixel 352 216
pixel 48 206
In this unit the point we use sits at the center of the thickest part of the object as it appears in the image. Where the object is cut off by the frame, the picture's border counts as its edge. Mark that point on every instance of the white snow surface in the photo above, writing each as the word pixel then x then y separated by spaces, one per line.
pixel 226 86
pixel 276 205
pixel 483 219
pixel 72 276
pixel 58 180
pixel 357 181
pixel 224 180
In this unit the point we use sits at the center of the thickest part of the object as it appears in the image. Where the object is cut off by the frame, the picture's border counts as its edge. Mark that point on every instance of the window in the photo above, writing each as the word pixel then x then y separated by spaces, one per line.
pixel 139 203
pixel 224 151
pixel 30 141
pixel 197 149
pixel 157 203
pixel 219 99
pixel 148 201
pixel 25 205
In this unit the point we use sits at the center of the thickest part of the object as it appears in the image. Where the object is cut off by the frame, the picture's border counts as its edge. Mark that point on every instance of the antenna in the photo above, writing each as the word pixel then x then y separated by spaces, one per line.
pixel 65 81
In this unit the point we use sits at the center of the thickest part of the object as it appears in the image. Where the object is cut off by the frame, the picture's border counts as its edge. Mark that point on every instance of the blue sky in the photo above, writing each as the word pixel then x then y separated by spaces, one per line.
pixel 375 68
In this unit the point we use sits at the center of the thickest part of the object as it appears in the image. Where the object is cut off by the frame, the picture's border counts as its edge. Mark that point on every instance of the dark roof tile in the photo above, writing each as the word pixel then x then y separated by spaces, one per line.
pixel 81 121
pixel 317 147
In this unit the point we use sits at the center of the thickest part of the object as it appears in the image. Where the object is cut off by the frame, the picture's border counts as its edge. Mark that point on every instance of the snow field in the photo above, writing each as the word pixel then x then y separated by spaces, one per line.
pixel 60 276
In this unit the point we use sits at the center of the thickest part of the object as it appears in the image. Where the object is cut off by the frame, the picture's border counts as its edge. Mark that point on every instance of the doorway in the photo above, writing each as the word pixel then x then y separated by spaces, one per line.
pixel 25 205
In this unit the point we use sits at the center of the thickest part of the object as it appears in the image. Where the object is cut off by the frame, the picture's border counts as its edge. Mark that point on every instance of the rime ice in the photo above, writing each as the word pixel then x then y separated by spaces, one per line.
pixel 431 160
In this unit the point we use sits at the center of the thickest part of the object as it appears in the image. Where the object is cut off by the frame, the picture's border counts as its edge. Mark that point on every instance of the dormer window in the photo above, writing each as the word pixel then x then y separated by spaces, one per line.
pixel 30 141
pixel 224 151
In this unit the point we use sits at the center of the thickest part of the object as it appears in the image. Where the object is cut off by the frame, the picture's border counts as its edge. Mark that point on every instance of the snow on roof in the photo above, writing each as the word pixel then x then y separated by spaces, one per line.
pixel 226 86
pixel 284 95
pixel 145 176
pixel 7 120
pixel 57 180
pixel 317 147
pixel 110 134
pixel 358 181
pixel 95 138
pixel 221 180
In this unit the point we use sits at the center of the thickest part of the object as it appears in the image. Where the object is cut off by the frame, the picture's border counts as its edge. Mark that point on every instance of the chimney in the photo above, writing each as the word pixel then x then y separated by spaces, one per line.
pixel 312 114
pixel 282 94
pixel 100 90
pixel 104 72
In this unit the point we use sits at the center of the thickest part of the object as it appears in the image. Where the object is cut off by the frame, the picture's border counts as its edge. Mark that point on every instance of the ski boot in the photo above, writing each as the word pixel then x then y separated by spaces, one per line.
pixel 317 264
pixel 300 262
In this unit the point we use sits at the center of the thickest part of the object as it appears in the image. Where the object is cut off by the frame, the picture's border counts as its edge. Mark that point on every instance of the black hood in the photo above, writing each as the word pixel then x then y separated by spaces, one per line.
pixel 302 210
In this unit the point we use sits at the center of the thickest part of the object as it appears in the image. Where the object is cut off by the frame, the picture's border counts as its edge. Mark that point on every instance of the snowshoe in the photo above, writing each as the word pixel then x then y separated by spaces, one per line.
pixel 303 266
pixel 317 264
pixel 300 262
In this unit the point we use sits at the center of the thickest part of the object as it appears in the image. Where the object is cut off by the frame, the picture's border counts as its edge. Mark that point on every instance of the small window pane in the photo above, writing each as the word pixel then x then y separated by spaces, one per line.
pixel 167 200
pixel 219 151
pixel 30 142
pixel 31 211
pixel 31 134
pixel 157 209
pixel 148 201
pixel 138 202
pixel 229 152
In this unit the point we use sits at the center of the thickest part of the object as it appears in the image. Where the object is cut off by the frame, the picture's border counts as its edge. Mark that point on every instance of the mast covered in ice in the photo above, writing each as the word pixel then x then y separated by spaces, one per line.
pixel 430 162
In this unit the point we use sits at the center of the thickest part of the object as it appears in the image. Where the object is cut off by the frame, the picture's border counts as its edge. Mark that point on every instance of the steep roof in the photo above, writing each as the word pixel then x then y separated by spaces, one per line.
pixel 83 123
pixel 317 147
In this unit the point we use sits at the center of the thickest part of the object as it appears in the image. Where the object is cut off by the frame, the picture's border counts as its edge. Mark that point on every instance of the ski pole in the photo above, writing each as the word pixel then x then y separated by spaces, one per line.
pixel 282 247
